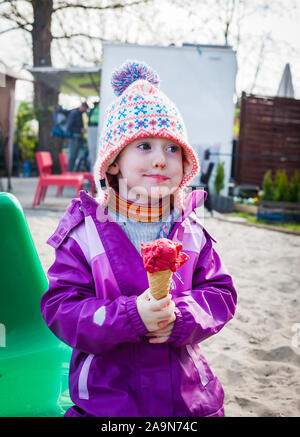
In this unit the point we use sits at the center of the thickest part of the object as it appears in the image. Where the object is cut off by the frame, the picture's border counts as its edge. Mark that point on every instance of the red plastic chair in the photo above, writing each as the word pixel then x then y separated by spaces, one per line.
pixel 63 161
pixel 44 162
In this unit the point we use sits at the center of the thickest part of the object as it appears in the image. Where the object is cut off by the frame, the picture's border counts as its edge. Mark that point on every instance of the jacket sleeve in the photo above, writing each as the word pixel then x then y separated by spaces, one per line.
pixel 204 310
pixel 74 313
pixel 70 121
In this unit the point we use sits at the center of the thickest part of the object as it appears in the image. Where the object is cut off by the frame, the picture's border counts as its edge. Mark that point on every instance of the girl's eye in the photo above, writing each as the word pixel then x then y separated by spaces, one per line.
pixel 144 146
pixel 173 148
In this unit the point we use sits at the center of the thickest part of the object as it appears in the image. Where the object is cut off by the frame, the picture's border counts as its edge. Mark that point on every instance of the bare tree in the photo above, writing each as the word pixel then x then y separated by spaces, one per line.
pixel 36 18
pixel 240 24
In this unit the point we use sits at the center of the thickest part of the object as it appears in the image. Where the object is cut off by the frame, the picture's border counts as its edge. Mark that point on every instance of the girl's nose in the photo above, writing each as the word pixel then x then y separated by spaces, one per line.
pixel 160 165
pixel 159 161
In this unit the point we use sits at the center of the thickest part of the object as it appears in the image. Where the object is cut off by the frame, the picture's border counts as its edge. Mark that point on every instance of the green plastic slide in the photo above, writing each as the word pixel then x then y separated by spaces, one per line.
pixel 33 362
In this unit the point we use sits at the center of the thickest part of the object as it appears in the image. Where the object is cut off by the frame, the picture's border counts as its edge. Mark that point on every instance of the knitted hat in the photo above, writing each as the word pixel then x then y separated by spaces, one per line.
pixel 140 110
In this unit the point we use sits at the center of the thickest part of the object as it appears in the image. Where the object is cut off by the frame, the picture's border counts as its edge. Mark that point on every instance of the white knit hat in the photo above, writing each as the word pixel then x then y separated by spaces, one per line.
pixel 140 110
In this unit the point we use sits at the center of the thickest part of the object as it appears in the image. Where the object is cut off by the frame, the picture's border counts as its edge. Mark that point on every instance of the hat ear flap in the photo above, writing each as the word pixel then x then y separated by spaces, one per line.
pixel 187 164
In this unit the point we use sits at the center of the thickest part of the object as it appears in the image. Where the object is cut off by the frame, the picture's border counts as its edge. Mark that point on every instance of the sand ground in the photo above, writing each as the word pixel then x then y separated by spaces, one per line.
pixel 257 354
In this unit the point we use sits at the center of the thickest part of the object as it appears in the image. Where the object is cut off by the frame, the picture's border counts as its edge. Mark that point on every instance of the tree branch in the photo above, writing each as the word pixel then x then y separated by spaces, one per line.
pixel 14 19
pixel 260 61
pixel 73 35
pixel 10 29
pixel 99 8
pixel 13 15
pixel 19 16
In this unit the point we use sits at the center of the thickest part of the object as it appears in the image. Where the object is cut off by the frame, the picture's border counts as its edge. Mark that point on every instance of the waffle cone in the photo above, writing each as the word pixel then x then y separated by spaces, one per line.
pixel 159 283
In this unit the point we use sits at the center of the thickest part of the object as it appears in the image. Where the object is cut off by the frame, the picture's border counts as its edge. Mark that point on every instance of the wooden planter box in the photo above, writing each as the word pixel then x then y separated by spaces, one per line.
pixel 221 203
pixel 278 211
pixel 243 207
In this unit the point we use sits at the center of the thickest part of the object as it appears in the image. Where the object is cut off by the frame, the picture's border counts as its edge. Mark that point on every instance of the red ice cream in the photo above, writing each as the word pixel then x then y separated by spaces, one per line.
pixel 162 254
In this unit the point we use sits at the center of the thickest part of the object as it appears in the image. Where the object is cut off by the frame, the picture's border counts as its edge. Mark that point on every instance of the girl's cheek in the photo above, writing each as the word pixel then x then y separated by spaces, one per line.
pixel 141 170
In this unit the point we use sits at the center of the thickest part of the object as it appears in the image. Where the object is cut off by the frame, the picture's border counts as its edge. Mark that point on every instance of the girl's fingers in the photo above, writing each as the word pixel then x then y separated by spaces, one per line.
pixel 167 313
pixel 158 305
pixel 162 331
pixel 164 323
pixel 169 318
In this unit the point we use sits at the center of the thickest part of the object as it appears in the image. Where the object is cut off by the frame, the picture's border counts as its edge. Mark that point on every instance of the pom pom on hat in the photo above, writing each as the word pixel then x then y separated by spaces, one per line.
pixel 129 72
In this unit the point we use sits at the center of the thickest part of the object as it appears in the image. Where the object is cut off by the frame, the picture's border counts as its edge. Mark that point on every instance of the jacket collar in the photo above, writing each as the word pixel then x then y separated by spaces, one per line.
pixel 88 206
pixel 193 201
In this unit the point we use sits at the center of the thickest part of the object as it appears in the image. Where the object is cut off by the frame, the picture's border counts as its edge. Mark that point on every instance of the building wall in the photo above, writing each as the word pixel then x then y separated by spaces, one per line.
pixel 269 138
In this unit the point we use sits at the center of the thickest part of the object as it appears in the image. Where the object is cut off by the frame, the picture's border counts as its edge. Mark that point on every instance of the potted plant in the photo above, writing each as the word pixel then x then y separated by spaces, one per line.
pixel 280 198
pixel 220 202
pixel 26 136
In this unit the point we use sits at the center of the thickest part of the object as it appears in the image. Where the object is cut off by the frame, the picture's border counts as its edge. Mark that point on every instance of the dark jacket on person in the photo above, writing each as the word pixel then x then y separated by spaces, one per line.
pixel 74 121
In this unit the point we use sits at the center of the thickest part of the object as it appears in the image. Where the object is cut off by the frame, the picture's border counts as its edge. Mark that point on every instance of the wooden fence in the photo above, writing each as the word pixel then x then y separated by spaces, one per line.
pixel 269 138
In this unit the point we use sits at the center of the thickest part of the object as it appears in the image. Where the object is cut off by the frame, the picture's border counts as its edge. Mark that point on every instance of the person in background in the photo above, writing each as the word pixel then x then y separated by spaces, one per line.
pixel 75 129
pixel 208 166
pixel 92 133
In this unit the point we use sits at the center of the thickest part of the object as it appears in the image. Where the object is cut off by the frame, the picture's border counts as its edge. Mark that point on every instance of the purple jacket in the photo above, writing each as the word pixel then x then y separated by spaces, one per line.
pixel 91 305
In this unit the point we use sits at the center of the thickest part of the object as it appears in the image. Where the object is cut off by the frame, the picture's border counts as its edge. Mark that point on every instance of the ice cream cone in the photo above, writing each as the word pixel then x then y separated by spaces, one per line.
pixel 159 283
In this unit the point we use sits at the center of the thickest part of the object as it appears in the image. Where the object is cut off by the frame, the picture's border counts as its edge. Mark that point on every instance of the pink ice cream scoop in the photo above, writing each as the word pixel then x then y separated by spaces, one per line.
pixel 162 254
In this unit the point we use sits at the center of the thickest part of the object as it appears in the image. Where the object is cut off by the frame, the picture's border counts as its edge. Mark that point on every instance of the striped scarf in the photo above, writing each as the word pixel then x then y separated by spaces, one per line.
pixel 138 211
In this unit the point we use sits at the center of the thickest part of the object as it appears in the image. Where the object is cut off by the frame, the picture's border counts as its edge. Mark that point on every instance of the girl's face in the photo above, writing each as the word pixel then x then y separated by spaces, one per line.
pixel 148 169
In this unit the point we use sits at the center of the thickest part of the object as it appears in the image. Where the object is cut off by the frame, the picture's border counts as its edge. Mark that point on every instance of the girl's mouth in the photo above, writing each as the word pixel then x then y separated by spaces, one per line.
pixel 157 177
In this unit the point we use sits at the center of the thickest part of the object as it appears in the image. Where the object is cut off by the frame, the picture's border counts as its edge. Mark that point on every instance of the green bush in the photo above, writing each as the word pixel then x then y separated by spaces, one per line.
pixel 26 135
pixel 281 190
pixel 268 187
pixel 294 188
pixel 219 178
pixel 281 187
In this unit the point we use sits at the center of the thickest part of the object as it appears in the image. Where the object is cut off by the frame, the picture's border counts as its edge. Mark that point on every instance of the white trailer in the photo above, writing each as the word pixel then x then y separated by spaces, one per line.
pixel 200 80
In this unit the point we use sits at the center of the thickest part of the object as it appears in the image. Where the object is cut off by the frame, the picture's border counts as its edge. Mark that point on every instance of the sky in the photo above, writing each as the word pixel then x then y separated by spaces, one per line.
pixel 277 27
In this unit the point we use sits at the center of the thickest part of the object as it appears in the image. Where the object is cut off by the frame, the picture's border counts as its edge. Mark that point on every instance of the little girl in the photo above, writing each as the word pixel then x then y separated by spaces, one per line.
pixel 134 356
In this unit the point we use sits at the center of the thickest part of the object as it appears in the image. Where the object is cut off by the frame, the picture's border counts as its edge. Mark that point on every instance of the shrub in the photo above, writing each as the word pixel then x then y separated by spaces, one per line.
pixel 268 187
pixel 281 190
pixel 26 134
pixel 219 178
pixel 281 187
pixel 294 187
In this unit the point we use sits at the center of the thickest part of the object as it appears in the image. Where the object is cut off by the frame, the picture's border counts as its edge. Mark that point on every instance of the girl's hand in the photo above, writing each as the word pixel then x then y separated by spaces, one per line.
pixel 161 335
pixel 155 314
